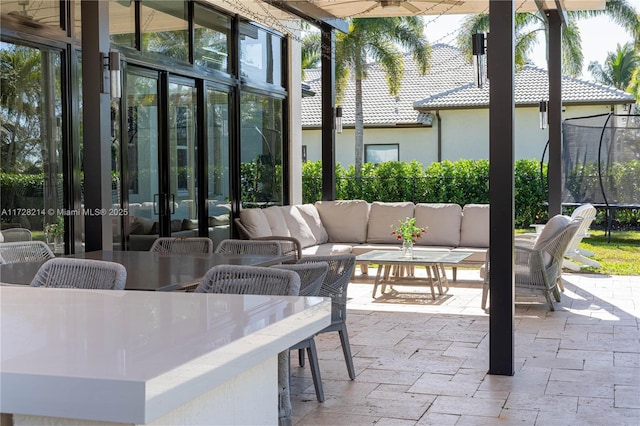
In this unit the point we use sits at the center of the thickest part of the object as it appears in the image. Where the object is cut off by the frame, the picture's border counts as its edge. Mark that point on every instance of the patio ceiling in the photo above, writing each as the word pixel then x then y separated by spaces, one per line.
pixel 380 8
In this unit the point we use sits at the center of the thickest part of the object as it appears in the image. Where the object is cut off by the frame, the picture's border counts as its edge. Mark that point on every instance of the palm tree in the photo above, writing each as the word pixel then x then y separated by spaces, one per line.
pixel 376 40
pixel 310 51
pixel 618 68
pixel 634 88
pixel 527 26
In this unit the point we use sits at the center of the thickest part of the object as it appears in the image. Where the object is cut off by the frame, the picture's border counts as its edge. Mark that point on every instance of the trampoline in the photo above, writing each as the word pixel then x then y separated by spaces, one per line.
pixel 601 162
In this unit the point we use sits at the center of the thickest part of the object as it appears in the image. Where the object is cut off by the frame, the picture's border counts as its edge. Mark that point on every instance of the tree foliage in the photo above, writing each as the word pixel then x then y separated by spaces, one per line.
pixel 529 24
pixel 618 68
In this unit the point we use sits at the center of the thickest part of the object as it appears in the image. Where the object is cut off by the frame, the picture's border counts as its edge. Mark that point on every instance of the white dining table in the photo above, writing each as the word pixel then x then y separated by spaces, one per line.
pixel 70 356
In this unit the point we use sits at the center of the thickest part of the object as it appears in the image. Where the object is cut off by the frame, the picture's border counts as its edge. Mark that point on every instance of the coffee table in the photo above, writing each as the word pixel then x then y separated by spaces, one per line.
pixel 392 265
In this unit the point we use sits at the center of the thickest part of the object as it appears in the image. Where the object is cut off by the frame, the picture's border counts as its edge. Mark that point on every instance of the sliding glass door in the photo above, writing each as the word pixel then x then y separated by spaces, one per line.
pixel 182 158
pixel 141 173
pixel 31 152
pixel 218 172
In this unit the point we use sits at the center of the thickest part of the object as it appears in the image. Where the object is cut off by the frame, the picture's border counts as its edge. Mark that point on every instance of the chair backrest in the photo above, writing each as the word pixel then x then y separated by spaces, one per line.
pixel 182 245
pixel 587 213
pixel 248 247
pixel 335 284
pixel 25 251
pixel 312 276
pixel 81 273
pixel 235 279
pixel 16 234
pixel 554 248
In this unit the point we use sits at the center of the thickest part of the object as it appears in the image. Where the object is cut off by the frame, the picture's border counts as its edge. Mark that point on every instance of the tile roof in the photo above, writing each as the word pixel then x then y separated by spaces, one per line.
pixel 448 85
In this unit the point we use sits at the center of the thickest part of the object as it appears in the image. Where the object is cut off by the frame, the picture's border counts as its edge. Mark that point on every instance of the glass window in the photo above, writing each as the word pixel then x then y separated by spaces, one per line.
pixel 164 27
pixel 212 38
pixel 41 12
pixel 260 55
pixel 122 23
pixel 31 142
pixel 261 150
pixel 218 195
pixel 380 153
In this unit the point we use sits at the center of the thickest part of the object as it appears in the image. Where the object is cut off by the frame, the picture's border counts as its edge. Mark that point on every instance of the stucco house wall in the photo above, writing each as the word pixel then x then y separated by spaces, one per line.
pixel 465 135
pixel 446 96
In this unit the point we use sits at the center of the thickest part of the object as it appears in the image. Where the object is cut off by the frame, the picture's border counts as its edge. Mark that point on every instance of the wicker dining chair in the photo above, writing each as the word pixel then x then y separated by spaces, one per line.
pixel 231 246
pixel 16 234
pixel 312 276
pixel 182 245
pixel 25 251
pixel 81 273
pixel 335 286
pixel 234 279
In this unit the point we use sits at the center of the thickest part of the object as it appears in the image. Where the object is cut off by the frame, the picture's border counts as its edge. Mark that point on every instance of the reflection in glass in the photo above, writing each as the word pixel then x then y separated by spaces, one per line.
pixel 122 23
pixel 182 157
pixel 116 173
pixel 142 158
pixel 40 12
pixel 381 153
pixel 212 38
pixel 261 149
pixel 165 28
pixel 260 55
pixel 219 207
pixel 31 139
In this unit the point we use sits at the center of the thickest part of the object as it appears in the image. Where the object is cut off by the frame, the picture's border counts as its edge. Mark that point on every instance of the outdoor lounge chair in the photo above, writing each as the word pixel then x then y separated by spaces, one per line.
pixel 538 265
pixel 586 212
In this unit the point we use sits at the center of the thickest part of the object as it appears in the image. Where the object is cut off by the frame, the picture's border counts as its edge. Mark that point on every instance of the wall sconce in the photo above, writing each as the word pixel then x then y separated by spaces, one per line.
pixel 479 50
pixel 542 107
pixel 111 62
pixel 339 119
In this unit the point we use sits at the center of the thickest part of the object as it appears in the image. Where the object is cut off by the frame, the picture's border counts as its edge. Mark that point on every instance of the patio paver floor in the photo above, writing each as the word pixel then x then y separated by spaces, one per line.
pixel 425 362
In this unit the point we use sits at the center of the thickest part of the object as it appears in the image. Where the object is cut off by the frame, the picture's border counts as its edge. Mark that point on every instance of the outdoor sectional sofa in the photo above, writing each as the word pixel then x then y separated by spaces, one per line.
pixel 355 226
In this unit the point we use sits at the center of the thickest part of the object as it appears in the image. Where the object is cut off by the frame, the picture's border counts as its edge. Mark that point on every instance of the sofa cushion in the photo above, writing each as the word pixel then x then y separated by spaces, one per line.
pixel 219 220
pixel 255 222
pixel 474 231
pixel 188 224
pixel 277 222
pixel 384 218
pixel 344 220
pixel 176 225
pixel 298 227
pixel 442 222
pixel 312 217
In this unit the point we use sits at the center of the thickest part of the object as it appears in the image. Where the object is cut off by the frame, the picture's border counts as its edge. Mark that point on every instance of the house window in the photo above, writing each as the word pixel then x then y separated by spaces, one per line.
pixel 379 153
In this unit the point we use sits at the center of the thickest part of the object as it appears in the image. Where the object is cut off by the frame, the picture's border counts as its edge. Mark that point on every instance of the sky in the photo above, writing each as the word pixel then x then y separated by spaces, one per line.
pixel 599 36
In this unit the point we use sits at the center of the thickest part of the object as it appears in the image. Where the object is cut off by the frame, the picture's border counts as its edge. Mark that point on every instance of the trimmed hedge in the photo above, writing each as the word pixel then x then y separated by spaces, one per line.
pixel 461 182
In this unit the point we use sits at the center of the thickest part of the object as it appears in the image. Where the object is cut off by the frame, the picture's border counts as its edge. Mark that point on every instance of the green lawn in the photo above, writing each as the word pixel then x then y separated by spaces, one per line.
pixel 621 256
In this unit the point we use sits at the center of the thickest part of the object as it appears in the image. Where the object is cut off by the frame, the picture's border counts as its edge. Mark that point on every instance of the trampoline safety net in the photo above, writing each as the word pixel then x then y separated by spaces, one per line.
pixel 601 160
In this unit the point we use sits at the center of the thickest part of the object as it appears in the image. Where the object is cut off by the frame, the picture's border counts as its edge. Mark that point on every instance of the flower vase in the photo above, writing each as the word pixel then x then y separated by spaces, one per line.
pixel 407 249
pixel 58 244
